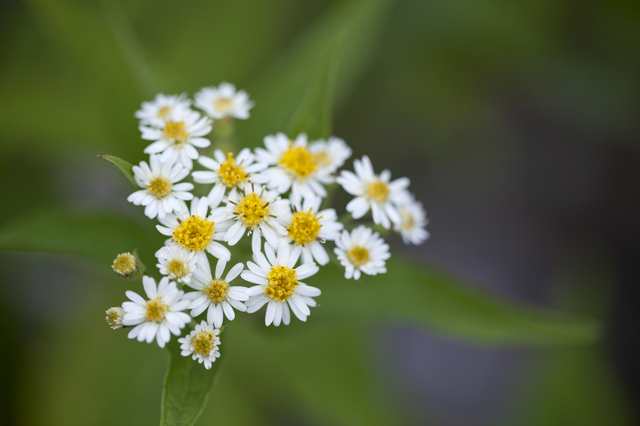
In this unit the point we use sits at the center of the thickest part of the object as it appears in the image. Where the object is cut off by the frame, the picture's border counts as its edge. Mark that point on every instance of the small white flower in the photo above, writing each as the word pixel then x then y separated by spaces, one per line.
pixel 158 317
pixel 279 286
pixel 158 111
pixel 256 210
pixel 373 192
pixel 176 262
pixel 413 220
pixel 362 250
pixel 224 101
pixel 309 228
pixel 160 188
pixel 216 293
pixel 292 165
pixel 196 231
pixel 227 172
pixel 125 264
pixel 178 137
pixel 114 317
pixel 202 344
pixel 330 155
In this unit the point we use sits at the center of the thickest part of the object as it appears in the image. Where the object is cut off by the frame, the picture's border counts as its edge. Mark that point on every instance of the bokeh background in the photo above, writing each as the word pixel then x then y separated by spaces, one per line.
pixel 517 122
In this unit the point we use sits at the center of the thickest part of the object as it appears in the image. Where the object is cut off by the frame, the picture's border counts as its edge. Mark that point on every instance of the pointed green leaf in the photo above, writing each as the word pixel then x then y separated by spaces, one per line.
pixel 125 167
pixel 186 388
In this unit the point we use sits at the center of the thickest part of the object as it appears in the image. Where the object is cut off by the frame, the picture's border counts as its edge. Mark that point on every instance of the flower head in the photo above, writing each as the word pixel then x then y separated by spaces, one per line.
pixel 224 101
pixel 331 154
pixel 362 250
pixel 202 344
pixel 161 108
pixel 413 220
pixel 114 317
pixel 176 262
pixel 125 264
pixel 158 317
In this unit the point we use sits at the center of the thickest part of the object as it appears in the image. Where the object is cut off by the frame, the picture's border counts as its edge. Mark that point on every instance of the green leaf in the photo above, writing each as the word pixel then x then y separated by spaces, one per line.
pixel 124 166
pixel 186 388
pixel 429 298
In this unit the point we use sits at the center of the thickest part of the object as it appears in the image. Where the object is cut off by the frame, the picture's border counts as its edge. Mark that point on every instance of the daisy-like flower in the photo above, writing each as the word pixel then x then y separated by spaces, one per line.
pixel 256 210
pixel 160 188
pixel 291 165
pixel 125 264
pixel 216 293
pixel 413 220
pixel 362 250
pixel 224 101
pixel 227 172
pixel 279 286
pixel 331 154
pixel 158 317
pixel 196 231
pixel 308 228
pixel 114 317
pixel 373 192
pixel 159 110
pixel 202 344
pixel 178 136
pixel 176 262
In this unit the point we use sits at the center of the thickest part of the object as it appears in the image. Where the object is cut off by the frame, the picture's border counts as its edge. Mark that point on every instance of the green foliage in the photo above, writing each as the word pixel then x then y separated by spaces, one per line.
pixel 125 167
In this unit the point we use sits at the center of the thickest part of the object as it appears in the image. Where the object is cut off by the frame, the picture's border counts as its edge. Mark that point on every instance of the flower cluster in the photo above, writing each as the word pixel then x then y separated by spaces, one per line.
pixel 273 197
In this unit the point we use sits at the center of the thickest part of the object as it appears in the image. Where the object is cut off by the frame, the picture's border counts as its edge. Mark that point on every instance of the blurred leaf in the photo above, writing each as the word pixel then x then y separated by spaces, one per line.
pixel 313 115
pixel 97 235
pixel 427 297
pixel 186 388
pixel 125 167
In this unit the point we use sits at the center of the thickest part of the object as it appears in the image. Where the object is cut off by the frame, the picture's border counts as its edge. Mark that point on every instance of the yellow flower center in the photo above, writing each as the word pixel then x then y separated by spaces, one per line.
pixel 378 191
pixel 300 161
pixel 114 317
pixel 217 290
pixel 175 130
pixel 282 283
pixel 159 187
pixel 322 159
pixel 177 268
pixel 156 310
pixel 203 343
pixel 194 234
pixel 407 221
pixel 124 264
pixel 304 228
pixel 164 112
pixel 252 210
pixel 222 104
pixel 231 173
pixel 358 256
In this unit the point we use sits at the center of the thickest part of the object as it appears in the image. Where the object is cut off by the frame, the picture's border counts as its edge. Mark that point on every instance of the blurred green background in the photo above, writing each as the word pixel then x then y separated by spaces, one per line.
pixel 517 123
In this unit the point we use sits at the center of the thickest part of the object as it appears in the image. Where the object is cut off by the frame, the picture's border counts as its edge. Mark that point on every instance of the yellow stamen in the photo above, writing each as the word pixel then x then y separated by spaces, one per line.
pixel 231 173
pixel 358 256
pixel 322 159
pixel 407 221
pixel 300 161
pixel 156 310
pixel 378 191
pixel 217 290
pixel 282 283
pixel 164 112
pixel 159 187
pixel 252 210
pixel 177 268
pixel 194 234
pixel 204 343
pixel 222 104
pixel 125 264
pixel 304 228
pixel 175 130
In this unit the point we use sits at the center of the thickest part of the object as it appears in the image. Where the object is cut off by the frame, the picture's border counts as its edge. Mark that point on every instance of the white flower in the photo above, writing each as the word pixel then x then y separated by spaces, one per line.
pixel 309 228
pixel 202 343
pixel 278 286
pixel 227 172
pixel 158 111
pixel 176 262
pixel 255 211
pixel 158 317
pixel 224 101
pixel 196 231
pixel 178 137
pixel 330 155
pixel 292 165
pixel 125 264
pixel 216 294
pixel 413 220
pixel 114 317
pixel 160 191
pixel 362 250
pixel 373 192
